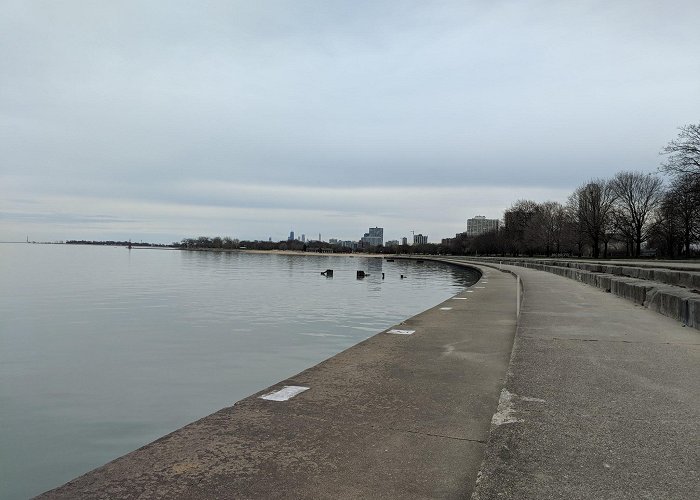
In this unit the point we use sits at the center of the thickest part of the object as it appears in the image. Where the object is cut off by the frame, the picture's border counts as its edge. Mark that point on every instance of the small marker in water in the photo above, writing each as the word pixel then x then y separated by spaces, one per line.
pixel 445 308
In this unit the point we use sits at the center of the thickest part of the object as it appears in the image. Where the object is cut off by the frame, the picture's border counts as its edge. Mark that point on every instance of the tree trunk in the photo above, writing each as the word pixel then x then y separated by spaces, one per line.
pixel 638 248
pixel 596 247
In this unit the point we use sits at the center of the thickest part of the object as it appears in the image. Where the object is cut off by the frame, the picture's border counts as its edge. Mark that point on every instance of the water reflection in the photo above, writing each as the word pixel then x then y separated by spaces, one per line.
pixel 103 350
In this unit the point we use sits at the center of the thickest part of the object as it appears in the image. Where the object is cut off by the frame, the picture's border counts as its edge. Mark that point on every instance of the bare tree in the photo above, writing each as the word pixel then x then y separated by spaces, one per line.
pixel 684 195
pixel 638 195
pixel 593 203
pixel 666 231
pixel 684 152
pixel 623 230
pixel 544 233
pixel 573 235
pixel 560 221
pixel 518 224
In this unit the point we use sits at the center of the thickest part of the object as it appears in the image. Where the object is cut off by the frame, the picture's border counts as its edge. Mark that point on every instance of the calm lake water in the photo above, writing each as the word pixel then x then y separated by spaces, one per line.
pixel 103 350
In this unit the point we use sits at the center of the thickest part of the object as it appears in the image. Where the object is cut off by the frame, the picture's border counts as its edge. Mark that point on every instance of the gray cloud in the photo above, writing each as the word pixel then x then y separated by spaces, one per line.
pixel 134 100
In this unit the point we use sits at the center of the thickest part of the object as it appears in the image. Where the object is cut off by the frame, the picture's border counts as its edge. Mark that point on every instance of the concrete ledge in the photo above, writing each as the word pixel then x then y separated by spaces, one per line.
pixel 632 283
pixel 675 304
pixel 693 305
pixel 687 278
pixel 631 289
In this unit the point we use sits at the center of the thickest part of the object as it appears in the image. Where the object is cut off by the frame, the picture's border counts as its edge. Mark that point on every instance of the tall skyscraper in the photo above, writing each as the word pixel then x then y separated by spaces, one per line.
pixel 480 225
pixel 291 236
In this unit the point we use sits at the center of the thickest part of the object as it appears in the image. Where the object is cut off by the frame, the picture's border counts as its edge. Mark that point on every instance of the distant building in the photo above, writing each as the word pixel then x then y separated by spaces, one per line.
pixel 303 238
pixel 333 241
pixel 291 236
pixel 392 243
pixel 480 225
pixel 451 241
pixel 404 241
pixel 419 239
pixel 375 237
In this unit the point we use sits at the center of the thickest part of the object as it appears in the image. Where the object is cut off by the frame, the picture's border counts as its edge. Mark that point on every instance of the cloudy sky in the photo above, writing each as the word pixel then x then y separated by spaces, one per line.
pixel 164 119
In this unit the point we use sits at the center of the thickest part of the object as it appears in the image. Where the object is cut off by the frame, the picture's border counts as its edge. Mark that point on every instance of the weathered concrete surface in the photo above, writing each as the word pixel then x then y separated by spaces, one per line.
pixel 394 417
pixel 602 401
pixel 676 295
pixel 676 273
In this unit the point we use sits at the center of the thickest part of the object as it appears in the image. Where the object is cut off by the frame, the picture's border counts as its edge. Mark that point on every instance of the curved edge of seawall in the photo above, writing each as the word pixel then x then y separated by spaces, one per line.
pixel 405 413
pixel 666 289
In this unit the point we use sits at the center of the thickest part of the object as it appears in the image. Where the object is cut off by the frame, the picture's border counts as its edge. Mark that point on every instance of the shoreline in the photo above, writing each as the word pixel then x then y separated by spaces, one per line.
pixel 467 402
pixel 399 415
pixel 315 254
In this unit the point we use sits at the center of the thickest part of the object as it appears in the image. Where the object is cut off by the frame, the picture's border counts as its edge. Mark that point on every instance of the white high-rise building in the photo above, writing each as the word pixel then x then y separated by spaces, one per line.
pixel 419 239
pixel 375 237
pixel 480 225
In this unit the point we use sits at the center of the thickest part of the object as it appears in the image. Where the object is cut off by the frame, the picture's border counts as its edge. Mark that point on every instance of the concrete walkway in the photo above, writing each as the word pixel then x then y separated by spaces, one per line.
pixel 397 416
pixel 684 265
pixel 602 400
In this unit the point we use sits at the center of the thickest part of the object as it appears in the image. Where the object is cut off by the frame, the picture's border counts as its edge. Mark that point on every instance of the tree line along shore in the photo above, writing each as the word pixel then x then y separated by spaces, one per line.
pixel 632 214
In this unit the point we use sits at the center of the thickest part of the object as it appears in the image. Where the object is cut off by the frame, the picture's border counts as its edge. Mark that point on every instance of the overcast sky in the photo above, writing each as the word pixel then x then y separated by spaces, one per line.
pixel 164 119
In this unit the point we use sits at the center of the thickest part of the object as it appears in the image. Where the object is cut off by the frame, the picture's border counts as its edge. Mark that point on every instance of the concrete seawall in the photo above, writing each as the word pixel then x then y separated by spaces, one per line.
pixel 404 414
pixel 669 288
pixel 596 397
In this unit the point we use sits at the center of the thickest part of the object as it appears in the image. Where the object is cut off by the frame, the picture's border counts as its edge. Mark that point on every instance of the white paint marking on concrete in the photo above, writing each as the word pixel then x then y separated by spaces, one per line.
pixel 285 393
pixel 459 298
pixel 534 400
pixel 470 291
pixel 479 287
pixel 505 414
pixel 402 332
pixel 445 308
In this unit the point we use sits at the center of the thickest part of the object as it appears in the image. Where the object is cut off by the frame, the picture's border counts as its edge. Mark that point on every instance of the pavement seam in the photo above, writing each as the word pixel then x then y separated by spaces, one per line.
pixel 373 426
pixel 480 441
pixel 609 341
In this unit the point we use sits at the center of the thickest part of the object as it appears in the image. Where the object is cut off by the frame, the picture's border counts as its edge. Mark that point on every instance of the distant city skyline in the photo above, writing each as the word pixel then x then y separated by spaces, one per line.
pixel 247 119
